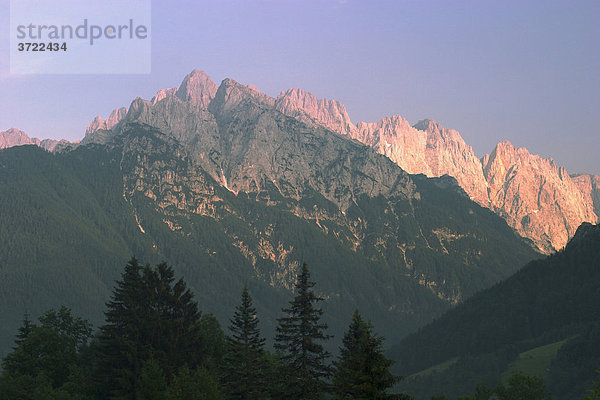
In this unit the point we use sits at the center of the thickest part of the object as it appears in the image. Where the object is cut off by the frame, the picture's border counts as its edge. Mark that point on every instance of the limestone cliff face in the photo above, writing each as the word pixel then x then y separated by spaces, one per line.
pixel 329 113
pixel 162 94
pixel 197 88
pixel 536 197
pixel 106 124
pixel 446 153
pixel 196 91
pixel 395 138
pixel 243 142
pixel 15 137
pixel 426 148
pixel 589 185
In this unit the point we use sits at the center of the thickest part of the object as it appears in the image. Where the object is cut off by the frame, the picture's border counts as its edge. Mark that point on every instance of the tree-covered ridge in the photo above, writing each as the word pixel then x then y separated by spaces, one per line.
pixel 550 300
pixel 156 345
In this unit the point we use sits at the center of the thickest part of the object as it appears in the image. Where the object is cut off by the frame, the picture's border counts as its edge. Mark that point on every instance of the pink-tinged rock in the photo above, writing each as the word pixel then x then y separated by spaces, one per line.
pixel 535 196
pixel 589 185
pixel 197 88
pixel 114 118
pixel 53 145
pixel 231 93
pixel 163 94
pixel 427 148
pixel 15 137
pixel 329 113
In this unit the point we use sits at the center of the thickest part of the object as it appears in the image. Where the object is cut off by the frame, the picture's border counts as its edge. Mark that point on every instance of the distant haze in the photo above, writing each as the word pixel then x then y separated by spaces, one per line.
pixel 494 70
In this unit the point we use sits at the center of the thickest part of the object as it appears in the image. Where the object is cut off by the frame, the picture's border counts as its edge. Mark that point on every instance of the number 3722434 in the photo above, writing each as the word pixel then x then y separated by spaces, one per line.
pixel 50 46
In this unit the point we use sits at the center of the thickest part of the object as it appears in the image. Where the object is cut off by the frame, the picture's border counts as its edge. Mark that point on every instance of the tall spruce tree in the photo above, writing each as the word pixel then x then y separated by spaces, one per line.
pixel 299 334
pixel 362 370
pixel 149 316
pixel 245 365
pixel 24 330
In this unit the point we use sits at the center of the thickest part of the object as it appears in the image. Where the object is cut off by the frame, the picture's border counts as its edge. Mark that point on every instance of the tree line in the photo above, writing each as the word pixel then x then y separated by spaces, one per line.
pixel 156 344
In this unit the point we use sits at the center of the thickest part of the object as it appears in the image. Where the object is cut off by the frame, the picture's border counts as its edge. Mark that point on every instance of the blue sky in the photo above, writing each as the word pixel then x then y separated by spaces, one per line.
pixel 524 71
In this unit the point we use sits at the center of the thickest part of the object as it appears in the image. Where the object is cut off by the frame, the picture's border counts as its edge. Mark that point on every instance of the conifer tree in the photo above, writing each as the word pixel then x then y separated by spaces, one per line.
pixel 245 369
pixel 24 330
pixel 299 337
pixel 149 316
pixel 362 370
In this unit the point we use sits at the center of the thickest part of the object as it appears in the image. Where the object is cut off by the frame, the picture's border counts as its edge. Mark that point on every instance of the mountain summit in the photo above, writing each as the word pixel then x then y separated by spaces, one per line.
pixel 197 88
pixel 536 197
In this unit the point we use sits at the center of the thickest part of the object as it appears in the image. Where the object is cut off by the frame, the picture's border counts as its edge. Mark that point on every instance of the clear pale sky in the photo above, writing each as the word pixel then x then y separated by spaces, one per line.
pixel 524 71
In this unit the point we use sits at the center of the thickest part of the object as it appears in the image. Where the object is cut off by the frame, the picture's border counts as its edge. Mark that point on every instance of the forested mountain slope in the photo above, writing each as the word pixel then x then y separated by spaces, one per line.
pixel 549 300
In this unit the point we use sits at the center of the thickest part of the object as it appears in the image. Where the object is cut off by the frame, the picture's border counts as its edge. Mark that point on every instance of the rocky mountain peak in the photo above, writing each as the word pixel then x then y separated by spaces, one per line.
pixel 197 88
pixel 589 185
pixel 536 197
pixel 506 180
pixel 427 125
pixel 15 131
pixel 99 123
pixel 15 137
pixel 331 114
pixel 231 93
pixel 162 94
pixel 138 106
pixel 435 130
pixel 427 148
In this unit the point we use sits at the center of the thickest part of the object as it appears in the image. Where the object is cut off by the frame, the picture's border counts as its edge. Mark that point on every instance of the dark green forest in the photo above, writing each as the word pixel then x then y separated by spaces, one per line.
pixel 155 343
pixel 554 302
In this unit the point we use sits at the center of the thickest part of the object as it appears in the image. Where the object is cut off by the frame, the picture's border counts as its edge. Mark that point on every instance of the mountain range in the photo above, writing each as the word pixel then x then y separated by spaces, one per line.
pixel 537 198
pixel 233 187
pixel 15 137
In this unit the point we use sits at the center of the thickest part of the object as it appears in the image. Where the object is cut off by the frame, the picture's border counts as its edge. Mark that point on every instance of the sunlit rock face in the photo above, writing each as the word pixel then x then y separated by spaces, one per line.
pixel 537 198
pixel 590 188
pixel 99 123
pixel 15 137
